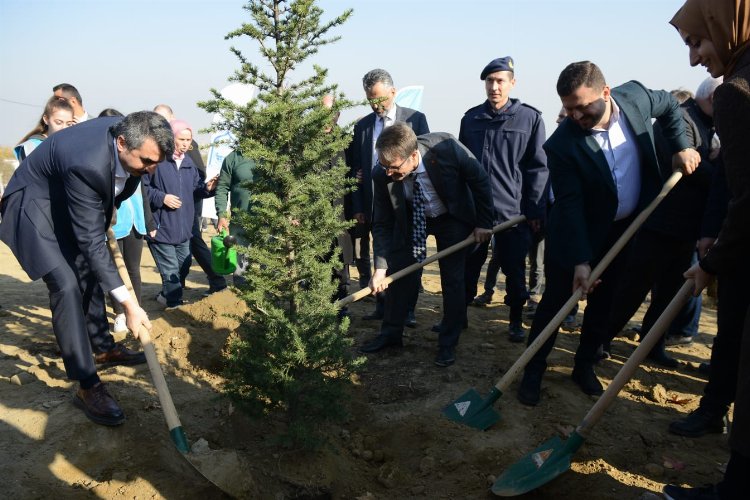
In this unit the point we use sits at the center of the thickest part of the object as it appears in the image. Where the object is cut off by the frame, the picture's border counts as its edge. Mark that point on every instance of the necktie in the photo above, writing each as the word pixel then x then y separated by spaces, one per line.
pixel 377 129
pixel 419 223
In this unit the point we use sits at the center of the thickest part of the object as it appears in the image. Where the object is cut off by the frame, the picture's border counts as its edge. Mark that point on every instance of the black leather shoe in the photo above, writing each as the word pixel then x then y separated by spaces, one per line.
pixel 516 332
pixel 99 405
pixel 483 299
pixel 529 392
pixel 411 320
pixel 119 355
pixel 673 492
pixel 381 342
pixel 663 359
pixel 446 356
pixel 698 423
pixel 586 379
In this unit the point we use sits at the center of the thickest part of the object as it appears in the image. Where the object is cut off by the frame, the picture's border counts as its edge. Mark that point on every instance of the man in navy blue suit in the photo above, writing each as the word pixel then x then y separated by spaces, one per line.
pixel 55 213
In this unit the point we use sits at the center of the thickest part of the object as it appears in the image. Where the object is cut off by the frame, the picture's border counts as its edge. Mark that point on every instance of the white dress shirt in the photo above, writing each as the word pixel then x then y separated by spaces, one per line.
pixel 120 294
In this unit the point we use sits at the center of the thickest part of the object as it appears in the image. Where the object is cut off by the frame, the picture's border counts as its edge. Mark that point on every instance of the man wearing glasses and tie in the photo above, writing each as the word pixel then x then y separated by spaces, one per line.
pixel 423 185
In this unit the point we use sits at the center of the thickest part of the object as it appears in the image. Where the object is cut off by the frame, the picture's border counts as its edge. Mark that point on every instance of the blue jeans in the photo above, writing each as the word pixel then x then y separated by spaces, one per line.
pixel 173 262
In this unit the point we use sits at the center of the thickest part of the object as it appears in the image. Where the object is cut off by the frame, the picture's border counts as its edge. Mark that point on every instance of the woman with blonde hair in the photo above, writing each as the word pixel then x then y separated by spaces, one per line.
pixel 717 33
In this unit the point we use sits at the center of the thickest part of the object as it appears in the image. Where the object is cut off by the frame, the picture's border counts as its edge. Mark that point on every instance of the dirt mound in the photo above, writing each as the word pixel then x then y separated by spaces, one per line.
pixel 396 444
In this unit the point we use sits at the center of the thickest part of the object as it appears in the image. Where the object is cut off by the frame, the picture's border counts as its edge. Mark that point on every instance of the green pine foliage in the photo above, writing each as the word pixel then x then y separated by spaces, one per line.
pixel 291 356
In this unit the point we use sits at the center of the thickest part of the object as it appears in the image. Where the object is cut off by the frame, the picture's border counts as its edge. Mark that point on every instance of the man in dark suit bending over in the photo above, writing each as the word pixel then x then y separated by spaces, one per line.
pixel 603 170
pixel 426 185
pixel 55 213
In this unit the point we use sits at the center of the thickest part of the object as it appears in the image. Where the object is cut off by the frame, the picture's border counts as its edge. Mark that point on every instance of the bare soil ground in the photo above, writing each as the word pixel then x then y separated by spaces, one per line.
pixel 396 444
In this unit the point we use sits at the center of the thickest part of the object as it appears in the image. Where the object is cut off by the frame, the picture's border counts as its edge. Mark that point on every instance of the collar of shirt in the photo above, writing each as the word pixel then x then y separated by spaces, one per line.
pixel 390 116
pixel 120 174
pixel 614 117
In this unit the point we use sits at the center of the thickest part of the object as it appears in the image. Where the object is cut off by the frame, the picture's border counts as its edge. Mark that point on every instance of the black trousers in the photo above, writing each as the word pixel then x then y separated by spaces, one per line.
pixel 656 262
pixel 79 318
pixel 734 302
pixel 131 247
pixel 447 231
pixel 200 251
pixel 509 251
pixel 558 290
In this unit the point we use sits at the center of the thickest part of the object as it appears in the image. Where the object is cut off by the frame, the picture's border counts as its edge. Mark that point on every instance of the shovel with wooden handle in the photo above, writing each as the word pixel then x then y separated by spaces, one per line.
pixel 165 398
pixel 552 458
pixel 475 411
pixel 223 463
pixel 360 294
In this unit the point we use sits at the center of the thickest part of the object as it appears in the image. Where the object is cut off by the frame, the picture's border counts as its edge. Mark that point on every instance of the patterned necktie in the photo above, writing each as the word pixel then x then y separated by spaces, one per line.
pixel 419 223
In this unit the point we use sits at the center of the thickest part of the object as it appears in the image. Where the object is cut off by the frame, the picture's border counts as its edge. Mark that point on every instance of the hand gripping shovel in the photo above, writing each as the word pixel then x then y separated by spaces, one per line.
pixel 552 458
pixel 360 294
pixel 473 410
pixel 223 460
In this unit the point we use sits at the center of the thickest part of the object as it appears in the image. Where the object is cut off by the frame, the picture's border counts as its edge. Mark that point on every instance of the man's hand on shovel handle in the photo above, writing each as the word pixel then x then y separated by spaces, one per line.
pixel 581 279
pixel 135 317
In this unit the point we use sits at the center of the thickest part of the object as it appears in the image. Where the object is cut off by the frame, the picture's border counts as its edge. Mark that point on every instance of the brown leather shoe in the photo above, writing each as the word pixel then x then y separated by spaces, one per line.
pixel 99 405
pixel 119 355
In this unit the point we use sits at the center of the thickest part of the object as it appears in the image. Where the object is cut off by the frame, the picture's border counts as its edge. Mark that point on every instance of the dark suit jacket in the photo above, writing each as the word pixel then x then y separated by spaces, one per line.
pixel 460 181
pixel 585 194
pixel 681 213
pixel 60 201
pixel 360 154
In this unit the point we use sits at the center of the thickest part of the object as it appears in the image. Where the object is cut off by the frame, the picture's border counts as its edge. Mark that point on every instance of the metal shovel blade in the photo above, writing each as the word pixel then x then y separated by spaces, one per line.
pixel 473 410
pixel 537 468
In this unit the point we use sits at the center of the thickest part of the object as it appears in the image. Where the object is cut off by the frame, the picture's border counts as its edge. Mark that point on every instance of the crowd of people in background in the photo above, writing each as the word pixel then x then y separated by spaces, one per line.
pixel 578 191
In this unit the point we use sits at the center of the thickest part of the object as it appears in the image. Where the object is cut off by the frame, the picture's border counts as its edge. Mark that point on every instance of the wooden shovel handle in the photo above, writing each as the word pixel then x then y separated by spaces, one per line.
pixel 635 359
pixel 552 326
pixel 165 398
pixel 360 294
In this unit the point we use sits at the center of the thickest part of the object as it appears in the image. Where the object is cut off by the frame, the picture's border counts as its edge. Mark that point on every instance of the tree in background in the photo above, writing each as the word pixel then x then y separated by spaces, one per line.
pixel 291 354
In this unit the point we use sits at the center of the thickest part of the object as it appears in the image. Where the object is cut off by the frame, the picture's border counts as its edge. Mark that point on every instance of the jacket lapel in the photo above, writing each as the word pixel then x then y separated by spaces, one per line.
pixel 595 152
pixel 433 170
pixel 398 200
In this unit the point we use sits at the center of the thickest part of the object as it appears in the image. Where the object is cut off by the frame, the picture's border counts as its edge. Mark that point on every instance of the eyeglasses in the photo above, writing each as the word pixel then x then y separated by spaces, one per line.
pixel 392 168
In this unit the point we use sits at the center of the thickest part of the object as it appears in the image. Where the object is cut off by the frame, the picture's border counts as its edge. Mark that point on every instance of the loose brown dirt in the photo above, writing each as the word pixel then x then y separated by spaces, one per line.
pixel 396 444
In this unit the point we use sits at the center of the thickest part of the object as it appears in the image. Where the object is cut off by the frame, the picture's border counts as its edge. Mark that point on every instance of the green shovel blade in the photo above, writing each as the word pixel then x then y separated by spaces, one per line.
pixel 473 410
pixel 539 467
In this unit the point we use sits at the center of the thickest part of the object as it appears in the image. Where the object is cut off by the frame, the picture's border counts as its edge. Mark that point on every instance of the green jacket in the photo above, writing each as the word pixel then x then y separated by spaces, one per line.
pixel 236 171
pixel 585 194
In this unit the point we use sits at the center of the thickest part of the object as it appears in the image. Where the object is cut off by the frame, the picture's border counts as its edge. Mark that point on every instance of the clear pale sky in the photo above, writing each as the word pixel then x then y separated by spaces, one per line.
pixel 134 54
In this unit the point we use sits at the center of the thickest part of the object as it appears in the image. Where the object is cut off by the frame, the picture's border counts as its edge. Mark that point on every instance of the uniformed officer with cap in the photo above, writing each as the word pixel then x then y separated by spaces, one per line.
pixel 506 136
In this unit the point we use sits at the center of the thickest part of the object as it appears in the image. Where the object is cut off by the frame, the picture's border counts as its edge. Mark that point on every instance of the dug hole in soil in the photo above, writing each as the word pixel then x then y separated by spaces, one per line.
pixel 397 444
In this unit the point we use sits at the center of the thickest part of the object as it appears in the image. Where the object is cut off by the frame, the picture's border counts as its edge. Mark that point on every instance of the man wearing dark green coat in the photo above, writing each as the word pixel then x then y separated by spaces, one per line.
pixel 236 172
pixel 603 171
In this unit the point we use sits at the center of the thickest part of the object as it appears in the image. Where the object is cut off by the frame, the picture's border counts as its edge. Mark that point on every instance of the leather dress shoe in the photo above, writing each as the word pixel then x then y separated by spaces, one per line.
pixel 698 423
pixel 381 342
pixel 708 492
pixel 446 356
pixel 586 379
pixel 119 355
pixel 661 358
pixel 516 332
pixel 411 320
pixel 99 405
pixel 530 389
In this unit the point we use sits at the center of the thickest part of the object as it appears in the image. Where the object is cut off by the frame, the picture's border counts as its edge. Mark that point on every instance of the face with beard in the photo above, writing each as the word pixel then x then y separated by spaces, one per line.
pixel 588 107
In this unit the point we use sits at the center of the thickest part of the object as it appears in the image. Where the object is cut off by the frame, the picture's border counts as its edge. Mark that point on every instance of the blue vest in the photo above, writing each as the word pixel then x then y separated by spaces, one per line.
pixel 129 215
